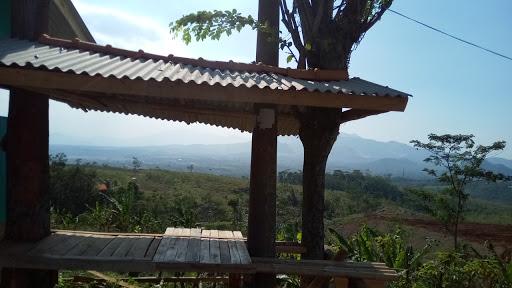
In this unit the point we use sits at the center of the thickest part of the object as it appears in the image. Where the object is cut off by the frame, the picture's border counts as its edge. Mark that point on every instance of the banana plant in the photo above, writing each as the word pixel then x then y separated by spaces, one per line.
pixel 369 245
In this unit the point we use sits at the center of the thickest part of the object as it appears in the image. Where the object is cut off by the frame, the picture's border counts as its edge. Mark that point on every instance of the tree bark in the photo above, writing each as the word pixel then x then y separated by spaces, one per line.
pixel 28 210
pixel 318 132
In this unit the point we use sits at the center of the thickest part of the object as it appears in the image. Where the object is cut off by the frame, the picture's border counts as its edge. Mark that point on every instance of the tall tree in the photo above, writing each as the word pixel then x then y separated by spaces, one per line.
pixel 459 162
pixel 320 34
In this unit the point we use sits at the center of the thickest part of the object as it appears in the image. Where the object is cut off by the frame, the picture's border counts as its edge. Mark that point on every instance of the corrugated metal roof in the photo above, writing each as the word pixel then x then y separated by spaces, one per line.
pixel 80 60
pixel 234 116
pixel 14 52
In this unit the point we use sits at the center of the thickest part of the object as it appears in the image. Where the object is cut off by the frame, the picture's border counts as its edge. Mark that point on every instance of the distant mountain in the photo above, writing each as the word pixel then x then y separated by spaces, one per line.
pixel 498 168
pixel 350 152
pixel 500 161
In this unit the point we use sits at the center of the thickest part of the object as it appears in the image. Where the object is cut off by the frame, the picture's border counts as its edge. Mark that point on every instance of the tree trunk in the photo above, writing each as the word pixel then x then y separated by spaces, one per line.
pixel 318 132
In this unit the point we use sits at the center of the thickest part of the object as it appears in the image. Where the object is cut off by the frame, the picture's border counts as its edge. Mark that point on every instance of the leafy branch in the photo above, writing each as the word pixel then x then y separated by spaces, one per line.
pixel 316 28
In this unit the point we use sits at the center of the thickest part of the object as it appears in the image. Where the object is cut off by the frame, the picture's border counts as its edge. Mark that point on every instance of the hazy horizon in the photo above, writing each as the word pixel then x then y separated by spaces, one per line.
pixel 456 88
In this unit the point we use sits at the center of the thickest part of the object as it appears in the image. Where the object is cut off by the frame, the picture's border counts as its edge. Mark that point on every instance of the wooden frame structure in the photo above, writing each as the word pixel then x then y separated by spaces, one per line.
pixel 262 99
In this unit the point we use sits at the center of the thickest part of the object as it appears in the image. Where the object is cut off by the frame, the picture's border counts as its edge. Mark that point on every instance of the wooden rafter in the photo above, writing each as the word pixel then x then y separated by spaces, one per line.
pixel 39 79
pixel 356 114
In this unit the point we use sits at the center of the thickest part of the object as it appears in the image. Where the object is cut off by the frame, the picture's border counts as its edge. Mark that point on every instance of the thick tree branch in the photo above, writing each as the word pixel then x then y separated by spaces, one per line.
pixel 318 17
pixel 306 18
pixel 376 17
pixel 288 19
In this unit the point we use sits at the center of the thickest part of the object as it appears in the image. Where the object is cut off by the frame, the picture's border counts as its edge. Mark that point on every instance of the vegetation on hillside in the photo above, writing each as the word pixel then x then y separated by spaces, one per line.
pixel 100 198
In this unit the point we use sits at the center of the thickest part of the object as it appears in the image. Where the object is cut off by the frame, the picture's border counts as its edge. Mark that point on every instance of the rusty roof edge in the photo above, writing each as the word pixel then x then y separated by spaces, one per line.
pixel 310 74
pixel 397 92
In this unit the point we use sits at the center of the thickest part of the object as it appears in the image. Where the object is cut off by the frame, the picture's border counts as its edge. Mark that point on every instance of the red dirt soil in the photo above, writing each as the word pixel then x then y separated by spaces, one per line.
pixel 497 234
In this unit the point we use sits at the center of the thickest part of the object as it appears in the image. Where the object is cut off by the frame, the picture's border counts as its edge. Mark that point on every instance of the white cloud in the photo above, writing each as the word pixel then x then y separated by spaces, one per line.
pixel 129 31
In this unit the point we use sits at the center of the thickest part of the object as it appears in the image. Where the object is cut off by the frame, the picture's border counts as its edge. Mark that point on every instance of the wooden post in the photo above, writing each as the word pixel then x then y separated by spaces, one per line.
pixel 262 200
pixel 28 211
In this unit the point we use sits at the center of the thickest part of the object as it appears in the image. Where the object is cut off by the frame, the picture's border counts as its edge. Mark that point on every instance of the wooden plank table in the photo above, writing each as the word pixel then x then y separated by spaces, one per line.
pixel 178 249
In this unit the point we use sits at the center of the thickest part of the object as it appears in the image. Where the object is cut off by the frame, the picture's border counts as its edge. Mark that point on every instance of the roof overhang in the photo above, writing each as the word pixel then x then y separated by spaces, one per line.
pixel 182 92
pixel 84 84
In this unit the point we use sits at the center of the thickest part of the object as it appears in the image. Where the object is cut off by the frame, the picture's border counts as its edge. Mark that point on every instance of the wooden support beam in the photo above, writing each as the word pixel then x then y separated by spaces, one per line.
pixel 23 77
pixel 262 199
pixel 28 210
pixel 234 280
pixel 356 114
pixel 113 280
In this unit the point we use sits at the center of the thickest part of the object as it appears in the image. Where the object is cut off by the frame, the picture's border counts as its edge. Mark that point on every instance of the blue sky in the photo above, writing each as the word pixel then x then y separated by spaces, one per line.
pixel 456 88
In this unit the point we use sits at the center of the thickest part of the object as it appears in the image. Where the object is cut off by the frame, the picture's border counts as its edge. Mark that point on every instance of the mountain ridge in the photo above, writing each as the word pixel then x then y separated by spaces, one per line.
pixel 350 152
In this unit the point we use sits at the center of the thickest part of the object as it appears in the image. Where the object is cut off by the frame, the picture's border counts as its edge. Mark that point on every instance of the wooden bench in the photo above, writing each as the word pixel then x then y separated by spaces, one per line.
pixel 179 250
pixel 343 273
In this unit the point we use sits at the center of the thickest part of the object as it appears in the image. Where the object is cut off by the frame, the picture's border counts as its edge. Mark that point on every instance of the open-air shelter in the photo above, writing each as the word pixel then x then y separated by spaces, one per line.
pixel 88 76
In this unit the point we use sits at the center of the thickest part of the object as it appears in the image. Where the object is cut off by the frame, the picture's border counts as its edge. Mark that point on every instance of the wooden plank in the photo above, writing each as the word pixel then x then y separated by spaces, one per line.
pixel 169 231
pixel 245 258
pixel 150 253
pixel 320 268
pixel 372 283
pixel 318 282
pixel 185 232
pixel 238 235
pixel 195 232
pixel 154 280
pixel 205 233
pixel 215 251
pixel 97 246
pixel 225 257
pixel 226 234
pixel 178 231
pixel 214 234
pixel 233 252
pixel 126 245
pixel 81 246
pixel 193 251
pixel 66 245
pixel 163 248
pixel 181 249
pixel 341 282
pixel 172 251
pixel 139 248
pixel 46 243
pixel 79 232
pixel 205 250
pixel 113 280
pixel 110 248
pixel 23 77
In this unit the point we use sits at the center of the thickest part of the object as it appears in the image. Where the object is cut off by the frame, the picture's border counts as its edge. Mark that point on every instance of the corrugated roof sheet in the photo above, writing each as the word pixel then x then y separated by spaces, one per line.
pixel 67 56
pixel 75 58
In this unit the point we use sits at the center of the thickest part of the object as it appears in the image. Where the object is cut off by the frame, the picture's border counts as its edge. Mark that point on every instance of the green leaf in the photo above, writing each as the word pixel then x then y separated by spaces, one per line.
pixel 345 245
pixel 289 58
pixel 308 46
